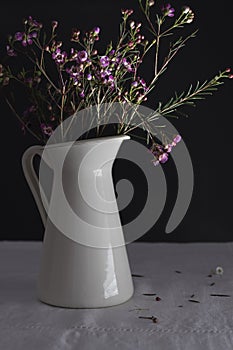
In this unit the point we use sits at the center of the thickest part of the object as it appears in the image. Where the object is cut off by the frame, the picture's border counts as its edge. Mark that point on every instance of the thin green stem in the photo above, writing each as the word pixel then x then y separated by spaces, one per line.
pixel 157 48
pixel 35 62
pixel 21 121
pixel 191 96
pixel 147 15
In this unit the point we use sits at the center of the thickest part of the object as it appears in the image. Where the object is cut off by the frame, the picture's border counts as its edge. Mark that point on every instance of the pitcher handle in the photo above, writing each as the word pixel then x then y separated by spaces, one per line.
pixel 33 181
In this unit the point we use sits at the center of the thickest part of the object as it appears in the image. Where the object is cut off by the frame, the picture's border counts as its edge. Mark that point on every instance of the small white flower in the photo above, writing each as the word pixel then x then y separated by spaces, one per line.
pixel 190 20
pixel 132 24
pixel 219 270
pixel 186 9
pixel 189 14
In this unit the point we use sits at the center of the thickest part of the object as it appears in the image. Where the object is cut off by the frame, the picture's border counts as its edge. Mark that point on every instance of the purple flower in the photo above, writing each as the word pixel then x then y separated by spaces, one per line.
pixel 105 73
pixel 168 10
pixel 59 57
pixel 34 23
pixel 160 153
pixel 89 76
pixel 96 30
pixel 30 36
pixel 127 65
pixel 168 148
pixel 177 139
pixel 134 84
pixel 82 94
pixel 46 129
pixel 163 158
pixel 112 52
pixel 106 77
pixel 104 61
pixel 19 36
pixel 10 51
pixel 124 61
pixel 75 73
pixel 26 39
pixel 82 56
pixel 111 81
pixel 143 83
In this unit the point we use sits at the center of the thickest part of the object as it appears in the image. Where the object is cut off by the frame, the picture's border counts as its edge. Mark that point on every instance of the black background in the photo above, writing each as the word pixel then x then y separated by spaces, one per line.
pixel 207 132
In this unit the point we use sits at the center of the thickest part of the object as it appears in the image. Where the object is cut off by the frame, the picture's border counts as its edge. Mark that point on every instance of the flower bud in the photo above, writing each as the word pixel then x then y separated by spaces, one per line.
pixel 186 9
pixel 96 30
pixel 132 24
pixel 54 24
pixel 190 20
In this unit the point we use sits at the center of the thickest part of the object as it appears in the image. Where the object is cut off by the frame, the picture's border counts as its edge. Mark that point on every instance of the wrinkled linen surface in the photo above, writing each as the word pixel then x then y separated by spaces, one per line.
pixel 27 323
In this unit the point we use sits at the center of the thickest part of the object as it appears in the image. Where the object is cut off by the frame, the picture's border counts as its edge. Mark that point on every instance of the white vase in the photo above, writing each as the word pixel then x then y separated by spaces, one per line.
pixel 84 263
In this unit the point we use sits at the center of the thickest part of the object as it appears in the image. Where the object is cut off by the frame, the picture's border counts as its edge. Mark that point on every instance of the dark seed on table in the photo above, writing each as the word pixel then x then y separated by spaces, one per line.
pixel 178 271
pixel 194 301
pixel 220 295
pixel 209 276
pixel 212 284
pixel 149 294
pixel 158 299
pixel 180 305
pixel 134 275
pixel 192 296
pixel 153 318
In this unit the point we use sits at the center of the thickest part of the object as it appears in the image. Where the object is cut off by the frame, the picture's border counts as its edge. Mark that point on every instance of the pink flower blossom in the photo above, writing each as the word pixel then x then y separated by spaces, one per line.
pixel 168 10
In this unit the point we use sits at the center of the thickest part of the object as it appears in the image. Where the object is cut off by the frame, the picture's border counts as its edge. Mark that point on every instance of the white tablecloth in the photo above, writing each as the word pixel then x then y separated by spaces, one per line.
pixel 26 323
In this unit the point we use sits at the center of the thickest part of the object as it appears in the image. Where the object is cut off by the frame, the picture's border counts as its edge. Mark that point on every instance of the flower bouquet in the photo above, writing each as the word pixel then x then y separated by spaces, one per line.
pixel 59 79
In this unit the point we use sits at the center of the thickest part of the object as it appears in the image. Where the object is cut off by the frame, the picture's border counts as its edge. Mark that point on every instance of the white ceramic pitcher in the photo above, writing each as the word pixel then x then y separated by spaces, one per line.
pixel 84 258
